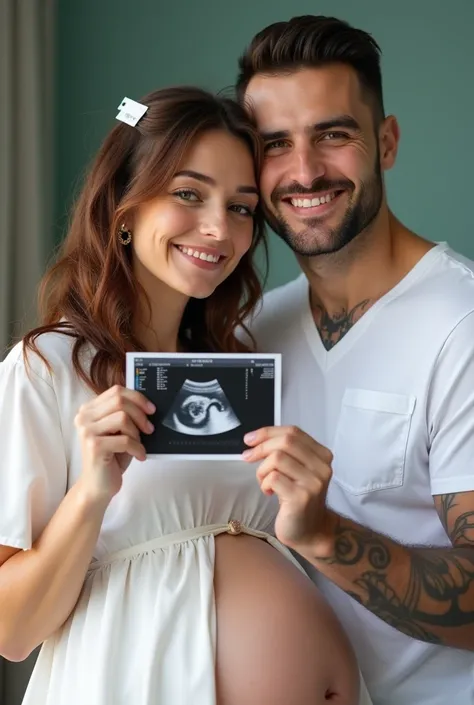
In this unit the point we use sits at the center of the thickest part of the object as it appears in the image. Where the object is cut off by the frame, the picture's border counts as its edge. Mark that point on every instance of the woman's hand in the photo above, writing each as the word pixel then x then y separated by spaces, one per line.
pixel 109 428
pixel 297 469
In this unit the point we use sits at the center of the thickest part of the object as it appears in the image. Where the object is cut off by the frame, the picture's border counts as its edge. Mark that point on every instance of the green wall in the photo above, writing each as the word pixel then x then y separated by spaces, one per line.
pixel 111 48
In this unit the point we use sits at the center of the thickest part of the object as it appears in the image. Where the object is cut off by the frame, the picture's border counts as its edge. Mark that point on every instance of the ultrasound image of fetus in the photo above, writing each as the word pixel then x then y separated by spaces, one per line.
pixel 201 409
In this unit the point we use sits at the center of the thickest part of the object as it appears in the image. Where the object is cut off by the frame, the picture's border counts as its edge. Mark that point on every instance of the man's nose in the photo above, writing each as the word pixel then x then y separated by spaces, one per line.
pixel 306 165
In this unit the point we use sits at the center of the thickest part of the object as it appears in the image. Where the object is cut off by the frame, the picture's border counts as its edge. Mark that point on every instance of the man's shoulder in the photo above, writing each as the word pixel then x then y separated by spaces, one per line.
pixel 450 285
pixel 279 310
pixel 287 295
pixel 453 260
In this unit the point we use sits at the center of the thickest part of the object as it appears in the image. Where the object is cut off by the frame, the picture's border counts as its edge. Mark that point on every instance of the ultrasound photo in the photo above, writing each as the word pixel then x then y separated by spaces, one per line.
pixel 206 404
pixel 201 409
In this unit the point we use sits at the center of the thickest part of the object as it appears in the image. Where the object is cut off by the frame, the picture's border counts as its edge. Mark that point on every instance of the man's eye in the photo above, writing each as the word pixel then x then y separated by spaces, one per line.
pixel 276 144
pixel 329 136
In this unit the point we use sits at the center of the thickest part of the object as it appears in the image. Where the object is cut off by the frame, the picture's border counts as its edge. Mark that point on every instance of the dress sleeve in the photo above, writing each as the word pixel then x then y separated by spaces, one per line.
pixel 33 465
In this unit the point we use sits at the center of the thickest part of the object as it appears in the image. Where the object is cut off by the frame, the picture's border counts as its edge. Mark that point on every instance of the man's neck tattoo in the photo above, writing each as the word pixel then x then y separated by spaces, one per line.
pixel 333 328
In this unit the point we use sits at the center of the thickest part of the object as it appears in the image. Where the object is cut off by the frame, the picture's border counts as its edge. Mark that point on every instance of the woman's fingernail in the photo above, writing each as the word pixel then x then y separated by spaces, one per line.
pixel 247 454
pixel 250 437
pixel 151 407
pixel 150 427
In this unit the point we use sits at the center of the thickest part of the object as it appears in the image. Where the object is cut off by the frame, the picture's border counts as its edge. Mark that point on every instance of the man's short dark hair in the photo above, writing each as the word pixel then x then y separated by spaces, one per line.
pixel 313 41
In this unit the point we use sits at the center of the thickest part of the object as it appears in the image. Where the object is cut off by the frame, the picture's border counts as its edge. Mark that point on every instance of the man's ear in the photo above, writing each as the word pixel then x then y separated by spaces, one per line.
pixel 389 137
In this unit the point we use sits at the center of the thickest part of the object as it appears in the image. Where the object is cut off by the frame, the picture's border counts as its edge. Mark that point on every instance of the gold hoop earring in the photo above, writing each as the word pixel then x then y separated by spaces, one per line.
pixel 124 235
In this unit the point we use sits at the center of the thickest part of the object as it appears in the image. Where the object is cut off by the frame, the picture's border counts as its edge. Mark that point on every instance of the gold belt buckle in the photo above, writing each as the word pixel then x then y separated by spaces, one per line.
pixel 234 527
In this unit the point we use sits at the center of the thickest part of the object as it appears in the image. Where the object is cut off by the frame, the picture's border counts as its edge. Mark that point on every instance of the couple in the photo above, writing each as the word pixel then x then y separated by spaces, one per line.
pixel 161 583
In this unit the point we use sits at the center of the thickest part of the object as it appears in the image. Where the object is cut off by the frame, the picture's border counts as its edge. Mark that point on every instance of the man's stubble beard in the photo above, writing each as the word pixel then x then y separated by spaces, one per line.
pixel 357 218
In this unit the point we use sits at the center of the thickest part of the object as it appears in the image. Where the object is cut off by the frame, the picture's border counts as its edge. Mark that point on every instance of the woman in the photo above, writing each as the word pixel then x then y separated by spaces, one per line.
pixel 135 602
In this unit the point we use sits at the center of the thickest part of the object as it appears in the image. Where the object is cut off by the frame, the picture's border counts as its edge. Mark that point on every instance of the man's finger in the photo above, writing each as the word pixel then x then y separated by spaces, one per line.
pixel 285 464
pixel 290 433
pixel 303 453
pixel 276 483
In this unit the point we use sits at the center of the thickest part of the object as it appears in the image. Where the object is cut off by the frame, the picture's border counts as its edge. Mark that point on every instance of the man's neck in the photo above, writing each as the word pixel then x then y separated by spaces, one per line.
pixel 346 284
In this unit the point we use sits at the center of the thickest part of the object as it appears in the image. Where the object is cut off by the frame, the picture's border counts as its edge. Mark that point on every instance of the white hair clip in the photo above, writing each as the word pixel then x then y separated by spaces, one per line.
pixel 130 111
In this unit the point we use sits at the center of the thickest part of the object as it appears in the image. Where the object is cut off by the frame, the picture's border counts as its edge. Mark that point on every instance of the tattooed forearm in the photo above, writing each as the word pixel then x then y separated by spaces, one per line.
pixel 427 593
pixel 333 328
pixel 459 524
pixel 432 600
pixel 446 503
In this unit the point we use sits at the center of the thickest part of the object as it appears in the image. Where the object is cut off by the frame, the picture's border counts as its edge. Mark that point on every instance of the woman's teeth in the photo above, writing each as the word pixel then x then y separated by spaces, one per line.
pixel 199 255
pixel 311 202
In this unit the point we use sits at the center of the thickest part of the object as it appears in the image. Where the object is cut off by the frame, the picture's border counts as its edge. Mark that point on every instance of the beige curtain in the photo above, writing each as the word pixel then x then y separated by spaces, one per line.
pixel 26 109
pixel 26 160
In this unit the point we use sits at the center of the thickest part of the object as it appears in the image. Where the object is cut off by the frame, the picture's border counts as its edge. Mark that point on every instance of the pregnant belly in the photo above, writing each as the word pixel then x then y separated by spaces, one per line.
pixel 278 642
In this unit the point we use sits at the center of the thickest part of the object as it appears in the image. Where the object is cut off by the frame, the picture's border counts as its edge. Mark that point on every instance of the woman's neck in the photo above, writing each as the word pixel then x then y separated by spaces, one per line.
pixel 158 336
pixel 157 324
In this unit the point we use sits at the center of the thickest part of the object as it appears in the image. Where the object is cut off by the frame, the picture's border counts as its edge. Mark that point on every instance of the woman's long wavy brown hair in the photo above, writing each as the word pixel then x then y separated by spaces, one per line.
pixel 90 292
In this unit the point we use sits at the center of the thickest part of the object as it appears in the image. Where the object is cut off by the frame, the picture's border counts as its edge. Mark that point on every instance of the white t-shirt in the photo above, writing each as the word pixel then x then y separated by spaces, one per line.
pixel 394 401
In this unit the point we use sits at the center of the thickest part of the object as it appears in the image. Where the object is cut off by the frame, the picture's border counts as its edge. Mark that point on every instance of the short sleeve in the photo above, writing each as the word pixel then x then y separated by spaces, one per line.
pixel 450 411
pixel 33 466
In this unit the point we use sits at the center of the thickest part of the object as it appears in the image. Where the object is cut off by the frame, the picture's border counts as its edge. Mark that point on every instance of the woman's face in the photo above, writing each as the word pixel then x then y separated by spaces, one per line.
pixel 192 236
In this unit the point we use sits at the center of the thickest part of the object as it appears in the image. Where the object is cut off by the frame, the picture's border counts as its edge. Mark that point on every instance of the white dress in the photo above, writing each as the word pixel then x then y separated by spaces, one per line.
pixel 143 630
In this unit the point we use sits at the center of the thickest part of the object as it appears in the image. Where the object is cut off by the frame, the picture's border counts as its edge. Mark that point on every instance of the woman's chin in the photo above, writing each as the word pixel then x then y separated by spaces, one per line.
pixel 201 293
pixel 195 290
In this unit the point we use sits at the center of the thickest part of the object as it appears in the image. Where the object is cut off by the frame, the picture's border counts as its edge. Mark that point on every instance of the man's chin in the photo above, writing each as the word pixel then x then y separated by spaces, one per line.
pixel 307 243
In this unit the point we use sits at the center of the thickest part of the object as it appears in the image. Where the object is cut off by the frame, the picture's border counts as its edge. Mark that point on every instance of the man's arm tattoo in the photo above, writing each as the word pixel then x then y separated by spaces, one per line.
pixel 437 591
pixel 461 528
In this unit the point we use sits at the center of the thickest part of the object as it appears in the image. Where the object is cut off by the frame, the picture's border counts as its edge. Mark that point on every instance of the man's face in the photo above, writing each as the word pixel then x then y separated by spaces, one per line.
pixel 321 181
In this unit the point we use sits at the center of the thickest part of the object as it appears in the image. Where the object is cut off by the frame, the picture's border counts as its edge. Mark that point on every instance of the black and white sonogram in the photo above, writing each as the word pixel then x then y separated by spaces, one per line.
pixel 201 409
pixel 205 404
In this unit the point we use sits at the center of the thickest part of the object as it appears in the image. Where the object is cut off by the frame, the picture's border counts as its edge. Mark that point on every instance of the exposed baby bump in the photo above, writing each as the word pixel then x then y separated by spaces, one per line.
pixel 278 642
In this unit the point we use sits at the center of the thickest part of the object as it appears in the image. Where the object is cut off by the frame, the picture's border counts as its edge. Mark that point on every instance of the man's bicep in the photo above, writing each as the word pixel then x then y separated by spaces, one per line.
pixel 450 414
pixel 456 511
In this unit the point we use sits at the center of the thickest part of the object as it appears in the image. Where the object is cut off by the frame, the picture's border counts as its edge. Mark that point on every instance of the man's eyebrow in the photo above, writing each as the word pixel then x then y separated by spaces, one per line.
pixel 278 135
pixel 345 121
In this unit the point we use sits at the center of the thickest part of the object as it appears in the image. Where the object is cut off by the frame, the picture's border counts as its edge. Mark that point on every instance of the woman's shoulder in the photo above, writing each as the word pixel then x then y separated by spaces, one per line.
pixel 49 358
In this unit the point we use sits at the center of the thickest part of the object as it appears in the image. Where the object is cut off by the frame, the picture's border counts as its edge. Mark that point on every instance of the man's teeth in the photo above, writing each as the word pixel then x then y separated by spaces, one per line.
pixel 311 202
pixel 199 255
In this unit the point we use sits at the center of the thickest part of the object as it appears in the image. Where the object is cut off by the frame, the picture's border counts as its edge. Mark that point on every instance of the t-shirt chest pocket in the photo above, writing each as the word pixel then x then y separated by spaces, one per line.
pixel 371 440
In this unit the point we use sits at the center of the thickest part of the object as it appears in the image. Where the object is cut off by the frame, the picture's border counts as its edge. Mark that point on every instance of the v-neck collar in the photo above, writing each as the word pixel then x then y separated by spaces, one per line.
pixel 327 358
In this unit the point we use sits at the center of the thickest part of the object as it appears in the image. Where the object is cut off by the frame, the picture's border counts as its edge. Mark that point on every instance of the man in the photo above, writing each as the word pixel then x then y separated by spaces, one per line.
pixel 377 337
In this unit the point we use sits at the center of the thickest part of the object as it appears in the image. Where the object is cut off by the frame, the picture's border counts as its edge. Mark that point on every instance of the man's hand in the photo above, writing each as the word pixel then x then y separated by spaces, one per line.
pixel 426 593
pixel 297 469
